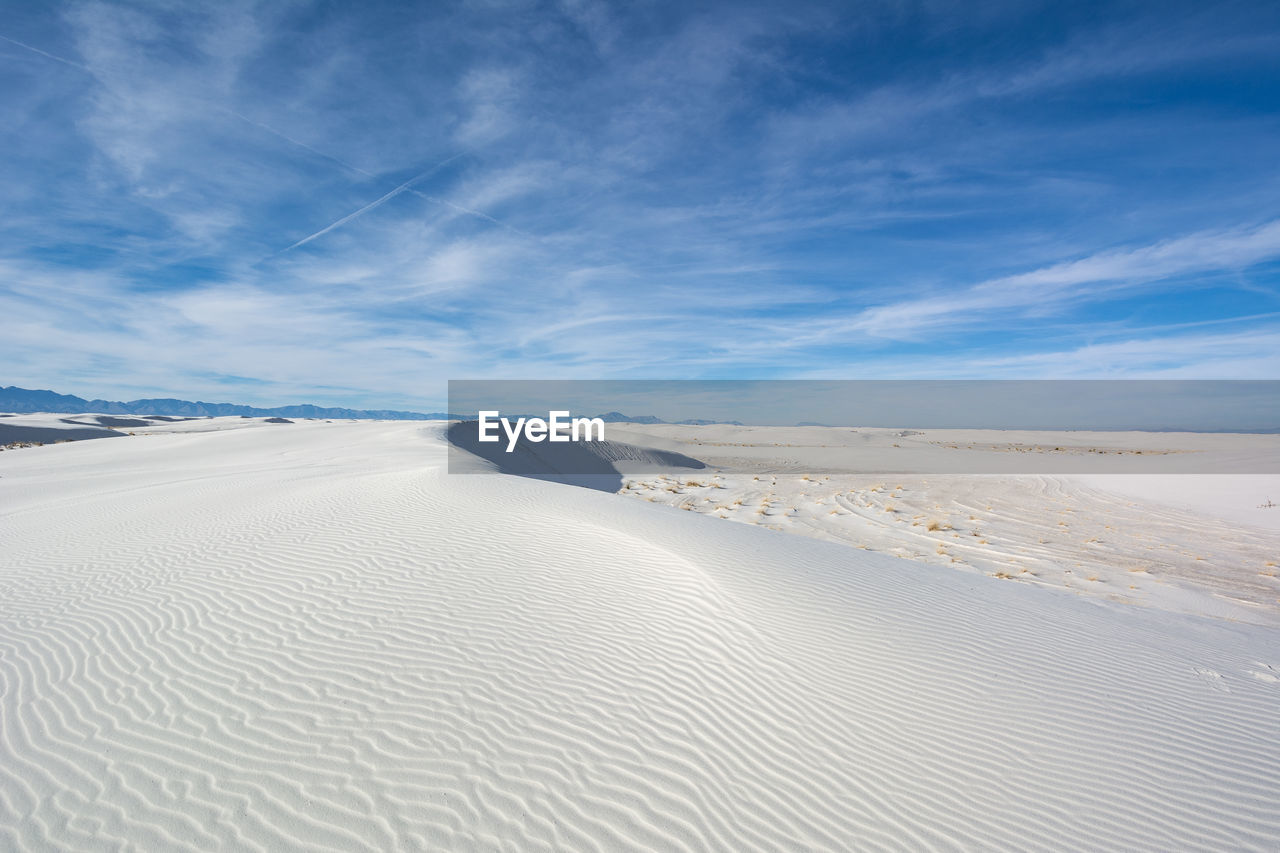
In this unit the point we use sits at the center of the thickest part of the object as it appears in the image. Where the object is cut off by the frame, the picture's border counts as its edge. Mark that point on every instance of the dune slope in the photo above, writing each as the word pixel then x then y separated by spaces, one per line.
pixel 309 636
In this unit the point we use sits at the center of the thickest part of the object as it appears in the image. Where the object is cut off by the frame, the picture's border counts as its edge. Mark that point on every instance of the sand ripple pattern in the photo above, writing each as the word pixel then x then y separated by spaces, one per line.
pixel 316 640
pixel 1039 530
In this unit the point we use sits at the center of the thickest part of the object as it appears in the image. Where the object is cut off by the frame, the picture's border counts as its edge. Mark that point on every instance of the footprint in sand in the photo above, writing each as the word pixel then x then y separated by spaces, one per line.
pixel 1214 679
pixel 1265 672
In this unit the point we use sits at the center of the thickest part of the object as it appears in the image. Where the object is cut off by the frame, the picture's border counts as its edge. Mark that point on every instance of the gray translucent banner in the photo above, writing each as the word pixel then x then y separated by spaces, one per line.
pixel 872 426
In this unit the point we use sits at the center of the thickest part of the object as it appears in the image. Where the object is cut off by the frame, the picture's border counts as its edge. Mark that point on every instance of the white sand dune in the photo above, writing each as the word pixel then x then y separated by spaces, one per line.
pixel 43 428
pixel 1042 530
pixel 309 637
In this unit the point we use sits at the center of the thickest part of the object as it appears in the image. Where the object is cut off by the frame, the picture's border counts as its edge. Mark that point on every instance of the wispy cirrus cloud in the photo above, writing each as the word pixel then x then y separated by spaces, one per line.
pixel 743 190
pixel 1105 273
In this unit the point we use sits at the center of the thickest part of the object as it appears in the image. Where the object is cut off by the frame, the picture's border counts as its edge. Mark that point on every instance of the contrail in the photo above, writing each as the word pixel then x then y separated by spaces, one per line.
pixel 371 205
pixel 406 187
pixel 350 216
pixel 46 55
pixel 271 130
pixel 230 112
pixel 357 170
pixel 479 213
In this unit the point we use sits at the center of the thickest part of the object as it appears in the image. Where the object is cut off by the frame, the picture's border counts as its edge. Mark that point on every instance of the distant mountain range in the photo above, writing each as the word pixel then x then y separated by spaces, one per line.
pixel 25 400
pixel 14 399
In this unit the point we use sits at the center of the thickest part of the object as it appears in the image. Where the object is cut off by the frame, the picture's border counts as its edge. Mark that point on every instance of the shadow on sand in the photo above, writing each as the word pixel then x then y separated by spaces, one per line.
pixel 591 465
pixel 51 435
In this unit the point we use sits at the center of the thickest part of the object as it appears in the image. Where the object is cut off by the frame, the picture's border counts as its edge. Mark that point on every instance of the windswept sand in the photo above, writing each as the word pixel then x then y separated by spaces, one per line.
pixel 1046 531
pixel 308 636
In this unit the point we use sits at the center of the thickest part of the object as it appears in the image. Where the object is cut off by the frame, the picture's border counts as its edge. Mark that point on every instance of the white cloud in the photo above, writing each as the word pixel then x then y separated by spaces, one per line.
pixel 1097 276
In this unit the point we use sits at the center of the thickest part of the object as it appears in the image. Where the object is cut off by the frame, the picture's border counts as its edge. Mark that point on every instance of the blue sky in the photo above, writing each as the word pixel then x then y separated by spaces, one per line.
pixel 348 204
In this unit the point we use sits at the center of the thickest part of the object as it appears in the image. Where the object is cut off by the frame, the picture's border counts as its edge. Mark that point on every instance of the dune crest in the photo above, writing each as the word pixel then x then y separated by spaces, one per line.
pixel 309 636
